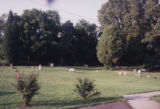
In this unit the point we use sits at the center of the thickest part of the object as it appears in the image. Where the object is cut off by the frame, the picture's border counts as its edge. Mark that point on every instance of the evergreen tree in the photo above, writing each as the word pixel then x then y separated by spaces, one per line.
pixel 12 43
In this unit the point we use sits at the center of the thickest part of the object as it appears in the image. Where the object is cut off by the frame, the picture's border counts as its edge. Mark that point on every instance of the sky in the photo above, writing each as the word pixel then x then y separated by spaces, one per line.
pixel 73 10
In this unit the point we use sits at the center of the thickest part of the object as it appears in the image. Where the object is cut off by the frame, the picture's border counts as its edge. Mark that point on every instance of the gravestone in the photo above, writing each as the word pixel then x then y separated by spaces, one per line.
pixel 125 73
pixel 40 67
pixel 120 73
pixel 11 65
pixel 139 73
pixel 71 70
pixel 51 64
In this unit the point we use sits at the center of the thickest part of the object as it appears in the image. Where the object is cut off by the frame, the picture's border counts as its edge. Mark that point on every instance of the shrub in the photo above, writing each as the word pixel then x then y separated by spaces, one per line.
pixel 28 86
pixel 86 88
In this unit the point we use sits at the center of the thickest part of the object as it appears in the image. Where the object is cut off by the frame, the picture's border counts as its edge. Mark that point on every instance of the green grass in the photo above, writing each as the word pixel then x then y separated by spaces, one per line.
pixel 156 98
pixel 57 85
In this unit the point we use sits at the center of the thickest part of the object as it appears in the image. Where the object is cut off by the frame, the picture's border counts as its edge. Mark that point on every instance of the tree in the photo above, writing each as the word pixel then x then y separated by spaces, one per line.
pixel 110 46
pixel 134 18
pixel 113 12
pixel 152 40
pixel 12 33
pixel 84 43
pixel 40 36
pixel 2 27
pixel 66 41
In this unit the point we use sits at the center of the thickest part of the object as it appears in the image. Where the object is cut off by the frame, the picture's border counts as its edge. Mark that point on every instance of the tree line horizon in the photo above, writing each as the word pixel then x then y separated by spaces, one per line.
pixel 129 35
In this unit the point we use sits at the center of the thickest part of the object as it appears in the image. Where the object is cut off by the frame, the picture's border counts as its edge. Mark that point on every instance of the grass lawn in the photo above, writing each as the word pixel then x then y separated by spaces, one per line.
pixel 57 85
pixel 156 98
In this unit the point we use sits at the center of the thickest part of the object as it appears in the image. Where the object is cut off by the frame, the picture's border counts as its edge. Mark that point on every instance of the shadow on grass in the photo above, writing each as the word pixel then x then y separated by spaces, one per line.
pixel 6 93
pixel 68 103
pixel 77 103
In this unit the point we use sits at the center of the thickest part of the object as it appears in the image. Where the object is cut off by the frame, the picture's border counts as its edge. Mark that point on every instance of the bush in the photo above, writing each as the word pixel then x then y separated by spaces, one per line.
pixel 28 86
pixel 86 88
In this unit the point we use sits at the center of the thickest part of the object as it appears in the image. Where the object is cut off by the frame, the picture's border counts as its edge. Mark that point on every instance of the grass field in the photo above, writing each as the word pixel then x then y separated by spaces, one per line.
pixel 156 98
pixel 57 85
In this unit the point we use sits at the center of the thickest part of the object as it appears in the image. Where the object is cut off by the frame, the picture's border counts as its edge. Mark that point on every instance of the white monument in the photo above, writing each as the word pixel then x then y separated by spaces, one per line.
pixel 11 65
pixel 119 73
pixel 51 64
pixel 139 73
pixel 71 70
pixel 125 73
pixel 40 67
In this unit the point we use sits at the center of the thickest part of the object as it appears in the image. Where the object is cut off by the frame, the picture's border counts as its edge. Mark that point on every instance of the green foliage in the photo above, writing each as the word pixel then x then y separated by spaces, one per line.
pixel 86 88
pixel 38 37
pixel 136 20
pixel 152 40
pixel 28 86
pixel 110 46
pixel 78 43
pixel 11 42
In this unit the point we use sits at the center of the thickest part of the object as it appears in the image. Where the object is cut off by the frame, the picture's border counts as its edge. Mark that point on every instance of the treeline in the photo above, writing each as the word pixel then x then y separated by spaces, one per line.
pixel 130 36
pixel 131 33
pixel 38 37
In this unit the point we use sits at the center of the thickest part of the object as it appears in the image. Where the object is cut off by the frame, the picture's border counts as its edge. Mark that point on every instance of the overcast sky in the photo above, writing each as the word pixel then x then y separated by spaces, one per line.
pixel 73 10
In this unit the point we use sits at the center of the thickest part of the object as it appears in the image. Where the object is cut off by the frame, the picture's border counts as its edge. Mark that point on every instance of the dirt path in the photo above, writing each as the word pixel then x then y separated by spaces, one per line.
pixel 142 100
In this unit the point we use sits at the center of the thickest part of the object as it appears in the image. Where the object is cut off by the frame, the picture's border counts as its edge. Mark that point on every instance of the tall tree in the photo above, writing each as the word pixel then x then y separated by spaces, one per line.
pixel 85 43
pixel 110 46
pixel 134 18
pixel 152 40
pixel 66 40
pixel 12 44
pixel 40 37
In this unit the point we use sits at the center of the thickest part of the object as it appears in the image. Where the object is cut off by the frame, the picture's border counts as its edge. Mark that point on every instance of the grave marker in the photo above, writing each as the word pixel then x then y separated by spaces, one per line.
pixel 51 64
pixel 119 73
pixel 40 67
pixel 71 70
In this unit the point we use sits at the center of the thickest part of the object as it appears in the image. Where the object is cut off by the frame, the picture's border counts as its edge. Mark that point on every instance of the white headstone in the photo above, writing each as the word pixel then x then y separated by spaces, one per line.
pixel 125 73
pixel 139 71
pixel 40 67
pixel 51 64
pixel 119 73
pixel 71 70
pixel 11 65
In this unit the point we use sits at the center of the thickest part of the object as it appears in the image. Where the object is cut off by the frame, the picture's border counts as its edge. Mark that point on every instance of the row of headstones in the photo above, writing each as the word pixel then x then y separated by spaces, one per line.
pixel 120 73
pixel 135 70
pixel 39 67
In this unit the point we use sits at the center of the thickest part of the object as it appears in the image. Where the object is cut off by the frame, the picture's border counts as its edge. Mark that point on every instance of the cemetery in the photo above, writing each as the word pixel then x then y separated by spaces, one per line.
pixel 57 86
pixel 80 54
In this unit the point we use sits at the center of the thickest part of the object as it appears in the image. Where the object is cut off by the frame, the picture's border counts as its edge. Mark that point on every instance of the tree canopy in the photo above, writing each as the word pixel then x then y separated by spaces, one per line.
pixel 39 37
pixel 136 19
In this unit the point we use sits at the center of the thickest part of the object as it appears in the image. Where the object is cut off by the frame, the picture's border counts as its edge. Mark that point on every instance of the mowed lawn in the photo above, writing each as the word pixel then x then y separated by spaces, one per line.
pixel 57 85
